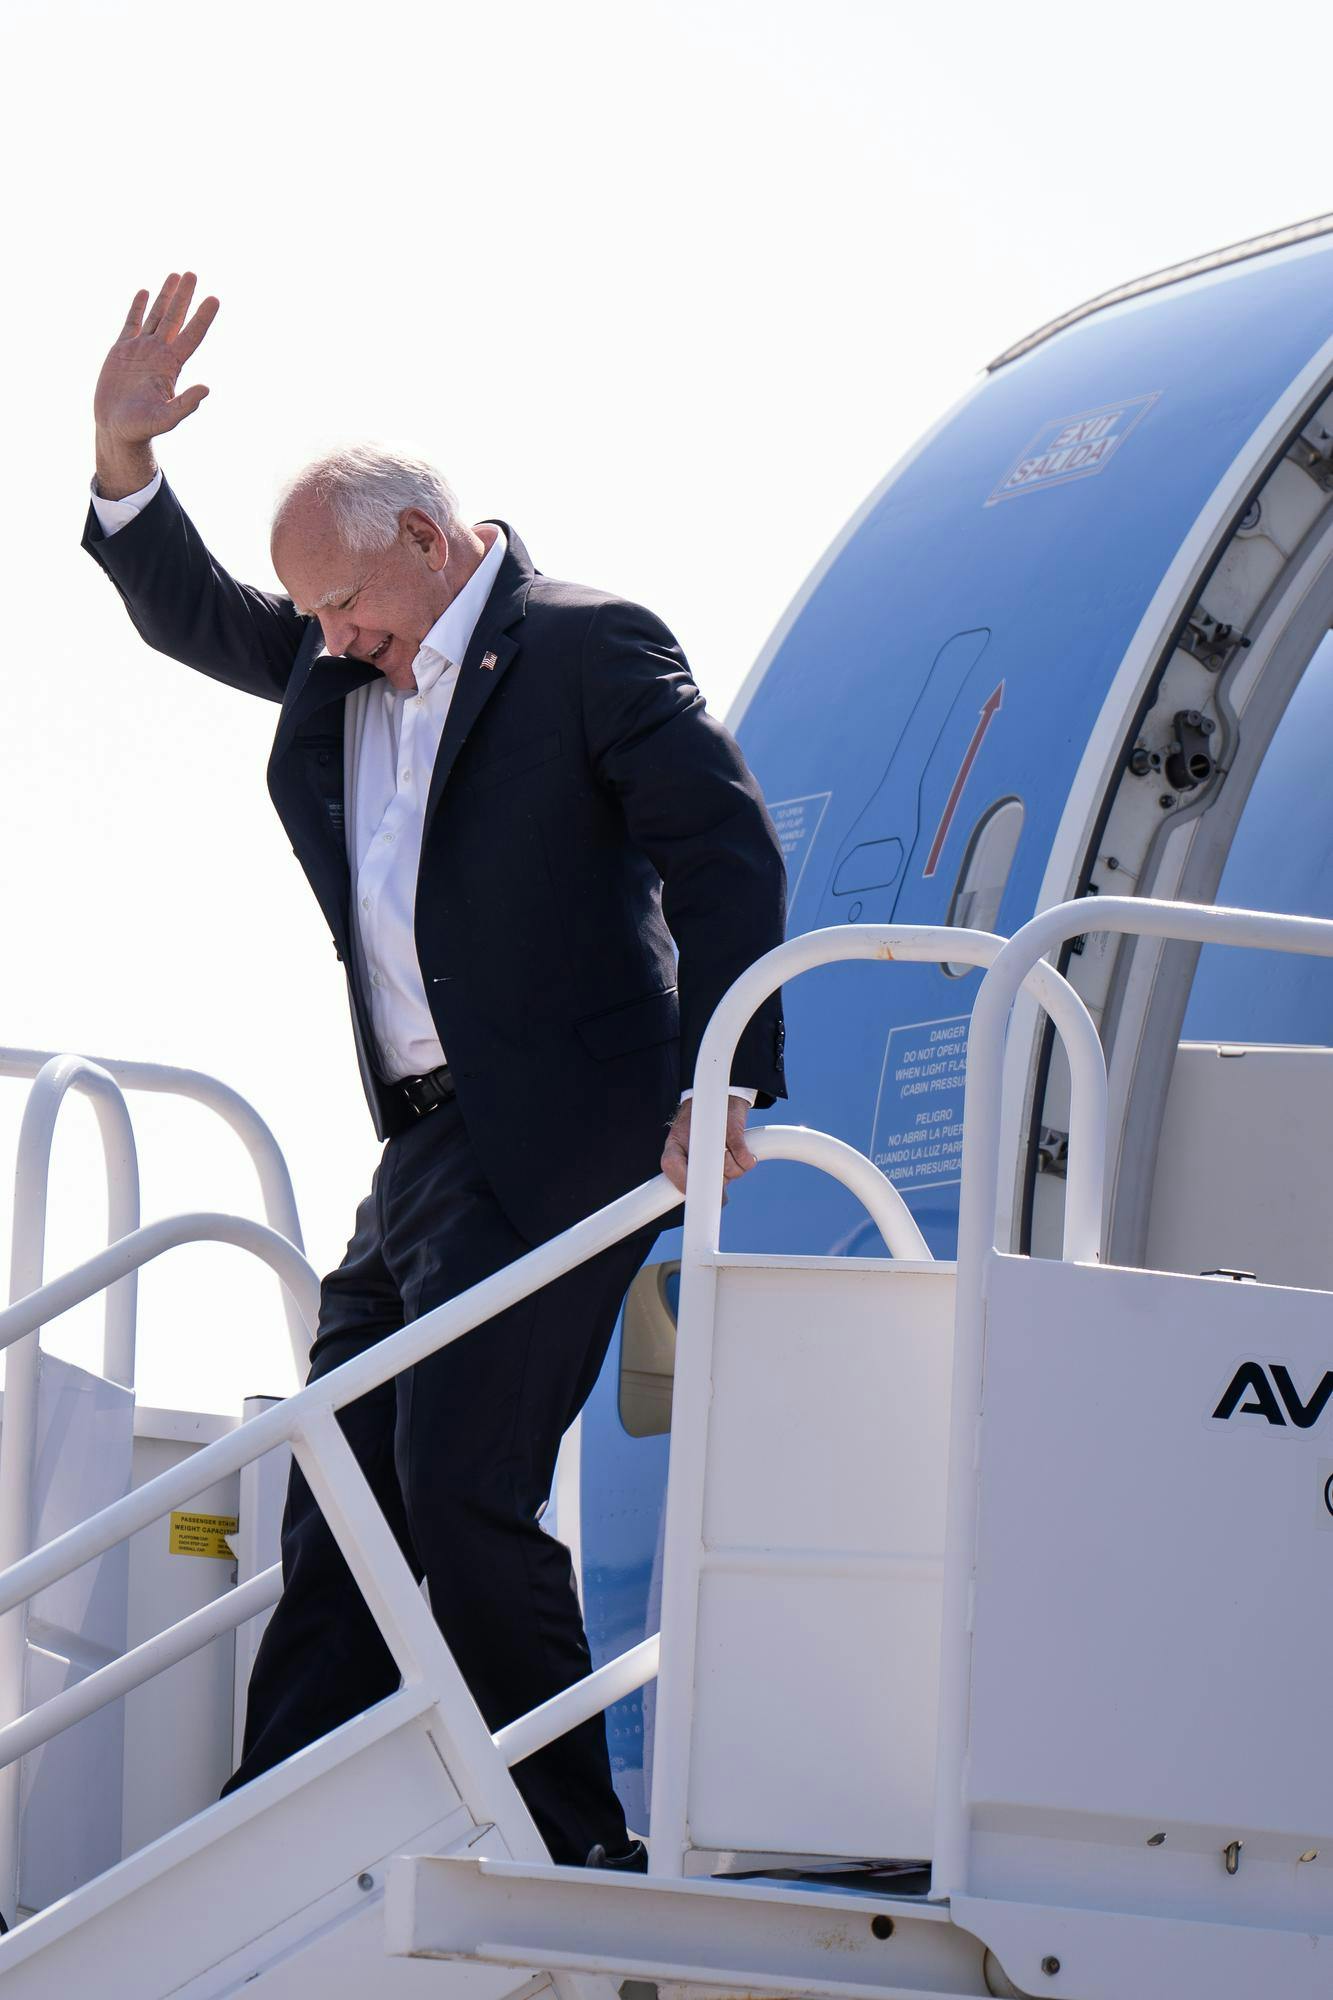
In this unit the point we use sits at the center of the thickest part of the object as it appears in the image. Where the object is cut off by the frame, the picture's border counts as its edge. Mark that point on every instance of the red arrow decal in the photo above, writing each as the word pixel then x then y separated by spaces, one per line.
pixel 989 712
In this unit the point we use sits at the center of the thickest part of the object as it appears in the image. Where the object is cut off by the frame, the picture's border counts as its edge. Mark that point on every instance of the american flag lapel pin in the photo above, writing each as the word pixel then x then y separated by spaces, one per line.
pixel 488 663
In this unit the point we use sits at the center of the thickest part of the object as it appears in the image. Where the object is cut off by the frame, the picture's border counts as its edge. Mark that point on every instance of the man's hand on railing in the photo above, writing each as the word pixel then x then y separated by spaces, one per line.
pixel 676 1152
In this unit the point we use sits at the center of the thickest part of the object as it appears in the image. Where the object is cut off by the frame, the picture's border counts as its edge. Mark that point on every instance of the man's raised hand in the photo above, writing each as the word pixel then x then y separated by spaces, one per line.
pixel 136 399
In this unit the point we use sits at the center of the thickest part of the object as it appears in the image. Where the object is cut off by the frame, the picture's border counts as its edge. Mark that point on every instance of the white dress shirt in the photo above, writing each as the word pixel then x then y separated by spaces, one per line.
pixel 390 738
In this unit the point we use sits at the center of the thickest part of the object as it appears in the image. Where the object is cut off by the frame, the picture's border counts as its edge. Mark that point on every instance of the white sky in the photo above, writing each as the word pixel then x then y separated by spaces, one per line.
pixel 668 286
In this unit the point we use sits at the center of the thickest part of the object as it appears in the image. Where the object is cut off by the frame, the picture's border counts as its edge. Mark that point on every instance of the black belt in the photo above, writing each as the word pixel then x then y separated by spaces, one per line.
pixel 425 1093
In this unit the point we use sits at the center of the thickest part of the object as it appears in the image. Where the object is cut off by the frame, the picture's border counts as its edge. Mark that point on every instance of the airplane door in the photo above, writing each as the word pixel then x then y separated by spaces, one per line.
pixel 871 864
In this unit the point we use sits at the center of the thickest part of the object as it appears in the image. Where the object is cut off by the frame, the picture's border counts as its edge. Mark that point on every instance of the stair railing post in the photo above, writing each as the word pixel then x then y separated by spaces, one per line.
pixel 18 1446
pixel 275 1181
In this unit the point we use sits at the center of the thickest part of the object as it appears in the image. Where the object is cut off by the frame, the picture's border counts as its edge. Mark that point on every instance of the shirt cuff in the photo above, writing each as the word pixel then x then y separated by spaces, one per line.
pixel 734 1090
pixel 115 514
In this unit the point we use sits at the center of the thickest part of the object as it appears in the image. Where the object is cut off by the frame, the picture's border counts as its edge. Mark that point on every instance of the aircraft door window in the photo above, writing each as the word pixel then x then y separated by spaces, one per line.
pixel 984 875
pixel 875 864
pixel 648 1350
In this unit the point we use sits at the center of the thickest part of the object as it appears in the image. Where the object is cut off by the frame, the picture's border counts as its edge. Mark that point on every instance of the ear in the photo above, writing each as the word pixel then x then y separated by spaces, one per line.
pixel 424 537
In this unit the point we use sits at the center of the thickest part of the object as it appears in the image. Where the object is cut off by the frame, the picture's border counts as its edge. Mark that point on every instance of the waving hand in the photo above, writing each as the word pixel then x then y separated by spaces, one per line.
pixel 136 397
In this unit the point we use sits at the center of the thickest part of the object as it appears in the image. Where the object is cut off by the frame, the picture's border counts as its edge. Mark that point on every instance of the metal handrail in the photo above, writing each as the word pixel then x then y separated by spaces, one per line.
pixel 357 1377
pixel 18 1448
pixel 275 1182
pixel 31 1179
pixel 908 943
pixel 130 1253
pixel 105 1082
pixel 916 943
pixel 519 1739
pixel 151 1657
pixel 1146 917
pixel 106 1270
pixel 878 1196
pixel 93 1537
pixel 579 1703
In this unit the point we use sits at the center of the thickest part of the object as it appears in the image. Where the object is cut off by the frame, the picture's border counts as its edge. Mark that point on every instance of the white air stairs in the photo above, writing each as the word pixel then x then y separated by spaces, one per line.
pixel 1068 1637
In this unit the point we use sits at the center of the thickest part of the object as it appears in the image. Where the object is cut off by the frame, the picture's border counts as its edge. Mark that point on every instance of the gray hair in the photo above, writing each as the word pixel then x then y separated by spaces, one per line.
pixel 367 488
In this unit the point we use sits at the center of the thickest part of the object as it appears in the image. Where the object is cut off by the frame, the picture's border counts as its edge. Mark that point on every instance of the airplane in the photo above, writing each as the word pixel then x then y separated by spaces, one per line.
pixel 1074 649
pixel 1031 669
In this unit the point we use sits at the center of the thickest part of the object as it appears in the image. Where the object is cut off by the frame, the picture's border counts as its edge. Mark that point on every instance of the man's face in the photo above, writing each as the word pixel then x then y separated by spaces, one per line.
pixel 377 606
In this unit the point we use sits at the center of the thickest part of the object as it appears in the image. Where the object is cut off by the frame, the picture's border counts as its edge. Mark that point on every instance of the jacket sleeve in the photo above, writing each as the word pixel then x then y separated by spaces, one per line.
pixel 183 603
pixel 693 806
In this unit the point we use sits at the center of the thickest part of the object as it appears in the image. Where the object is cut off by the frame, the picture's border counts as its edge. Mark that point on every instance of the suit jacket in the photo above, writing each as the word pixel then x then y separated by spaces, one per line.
pixel 585 810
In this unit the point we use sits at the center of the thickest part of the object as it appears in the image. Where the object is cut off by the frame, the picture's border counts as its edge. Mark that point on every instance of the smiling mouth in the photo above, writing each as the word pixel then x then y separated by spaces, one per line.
pixel 379 650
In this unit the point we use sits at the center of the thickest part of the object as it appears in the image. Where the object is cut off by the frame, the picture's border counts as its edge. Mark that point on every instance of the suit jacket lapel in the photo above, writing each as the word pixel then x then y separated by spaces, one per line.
pixel 317 678
pixel 493 645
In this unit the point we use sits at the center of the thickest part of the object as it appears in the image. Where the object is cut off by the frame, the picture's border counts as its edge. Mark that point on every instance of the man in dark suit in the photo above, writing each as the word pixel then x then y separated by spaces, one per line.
pixel 509 800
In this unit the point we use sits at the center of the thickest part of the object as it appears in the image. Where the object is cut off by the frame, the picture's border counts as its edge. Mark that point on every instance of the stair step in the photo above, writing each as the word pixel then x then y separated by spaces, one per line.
pixel 296 1841
pixel 761 1936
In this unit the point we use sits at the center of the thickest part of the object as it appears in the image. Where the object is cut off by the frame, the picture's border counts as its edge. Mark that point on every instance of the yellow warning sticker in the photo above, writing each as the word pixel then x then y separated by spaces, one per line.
pixel 203 1535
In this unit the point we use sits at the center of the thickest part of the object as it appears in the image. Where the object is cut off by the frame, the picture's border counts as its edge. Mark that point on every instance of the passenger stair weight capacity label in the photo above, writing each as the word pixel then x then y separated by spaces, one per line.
pixel 203 1535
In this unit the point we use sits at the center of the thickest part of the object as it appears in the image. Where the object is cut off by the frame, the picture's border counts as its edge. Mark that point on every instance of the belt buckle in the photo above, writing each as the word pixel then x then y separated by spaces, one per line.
pixel 423 1110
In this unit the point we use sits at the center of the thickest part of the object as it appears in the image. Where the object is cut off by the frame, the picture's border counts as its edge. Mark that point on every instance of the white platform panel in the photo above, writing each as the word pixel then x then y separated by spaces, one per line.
pixel 1154 1616
pixel 819 1608
pixel 178 1726
pixel 71 1788
pixel 1245 1164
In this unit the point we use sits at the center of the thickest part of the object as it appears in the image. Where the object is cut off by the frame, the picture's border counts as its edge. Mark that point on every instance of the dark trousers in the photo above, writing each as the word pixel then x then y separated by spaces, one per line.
pixel 460 1452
